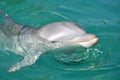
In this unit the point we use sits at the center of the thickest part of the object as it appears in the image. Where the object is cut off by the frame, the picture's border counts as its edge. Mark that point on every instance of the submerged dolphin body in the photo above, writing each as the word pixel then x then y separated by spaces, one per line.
pixel 32 42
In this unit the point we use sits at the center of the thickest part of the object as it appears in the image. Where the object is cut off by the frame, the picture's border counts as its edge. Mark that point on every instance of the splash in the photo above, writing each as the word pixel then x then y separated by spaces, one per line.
pixel 85 58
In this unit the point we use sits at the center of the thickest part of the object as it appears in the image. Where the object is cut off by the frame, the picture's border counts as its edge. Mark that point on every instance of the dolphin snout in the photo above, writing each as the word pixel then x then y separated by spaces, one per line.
pixel 89 37
pixel 88 43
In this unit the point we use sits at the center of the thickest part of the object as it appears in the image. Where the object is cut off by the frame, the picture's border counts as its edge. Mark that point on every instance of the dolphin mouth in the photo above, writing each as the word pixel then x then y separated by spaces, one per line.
pixel 88 43
pixel 84 40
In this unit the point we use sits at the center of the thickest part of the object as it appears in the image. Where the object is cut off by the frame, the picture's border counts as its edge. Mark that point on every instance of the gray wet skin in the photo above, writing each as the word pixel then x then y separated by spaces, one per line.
pixel 32 42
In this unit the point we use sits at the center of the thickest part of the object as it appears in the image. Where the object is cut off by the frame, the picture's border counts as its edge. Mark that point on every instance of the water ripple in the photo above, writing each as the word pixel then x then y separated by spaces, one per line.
pixel 77 59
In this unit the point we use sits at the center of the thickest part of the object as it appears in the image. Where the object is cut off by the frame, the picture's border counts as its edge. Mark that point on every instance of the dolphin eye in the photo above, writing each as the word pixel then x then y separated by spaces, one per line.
pixel 53 41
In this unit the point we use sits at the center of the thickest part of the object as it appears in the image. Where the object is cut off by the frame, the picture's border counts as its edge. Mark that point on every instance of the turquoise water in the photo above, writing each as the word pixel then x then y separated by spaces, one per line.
pixel 100 62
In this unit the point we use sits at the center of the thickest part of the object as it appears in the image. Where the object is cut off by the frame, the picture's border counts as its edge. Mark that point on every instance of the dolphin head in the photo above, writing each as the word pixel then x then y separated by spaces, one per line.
pixel 67 32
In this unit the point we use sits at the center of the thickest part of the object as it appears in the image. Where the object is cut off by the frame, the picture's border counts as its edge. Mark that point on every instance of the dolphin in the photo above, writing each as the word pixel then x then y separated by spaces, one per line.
pixel 32 42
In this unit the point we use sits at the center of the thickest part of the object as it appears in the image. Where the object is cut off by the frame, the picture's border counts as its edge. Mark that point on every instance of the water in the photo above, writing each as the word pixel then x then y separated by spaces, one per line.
pixel 100 62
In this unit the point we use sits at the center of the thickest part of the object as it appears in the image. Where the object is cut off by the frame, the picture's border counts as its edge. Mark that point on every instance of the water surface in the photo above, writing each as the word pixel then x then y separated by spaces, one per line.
pixel 100 62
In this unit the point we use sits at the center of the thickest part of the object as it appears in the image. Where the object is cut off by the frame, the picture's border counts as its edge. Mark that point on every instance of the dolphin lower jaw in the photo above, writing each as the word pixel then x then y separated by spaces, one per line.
pixel 87 44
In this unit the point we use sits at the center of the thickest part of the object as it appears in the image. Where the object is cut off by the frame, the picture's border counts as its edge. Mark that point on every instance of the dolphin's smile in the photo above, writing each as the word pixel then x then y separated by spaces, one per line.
pixel 87 43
